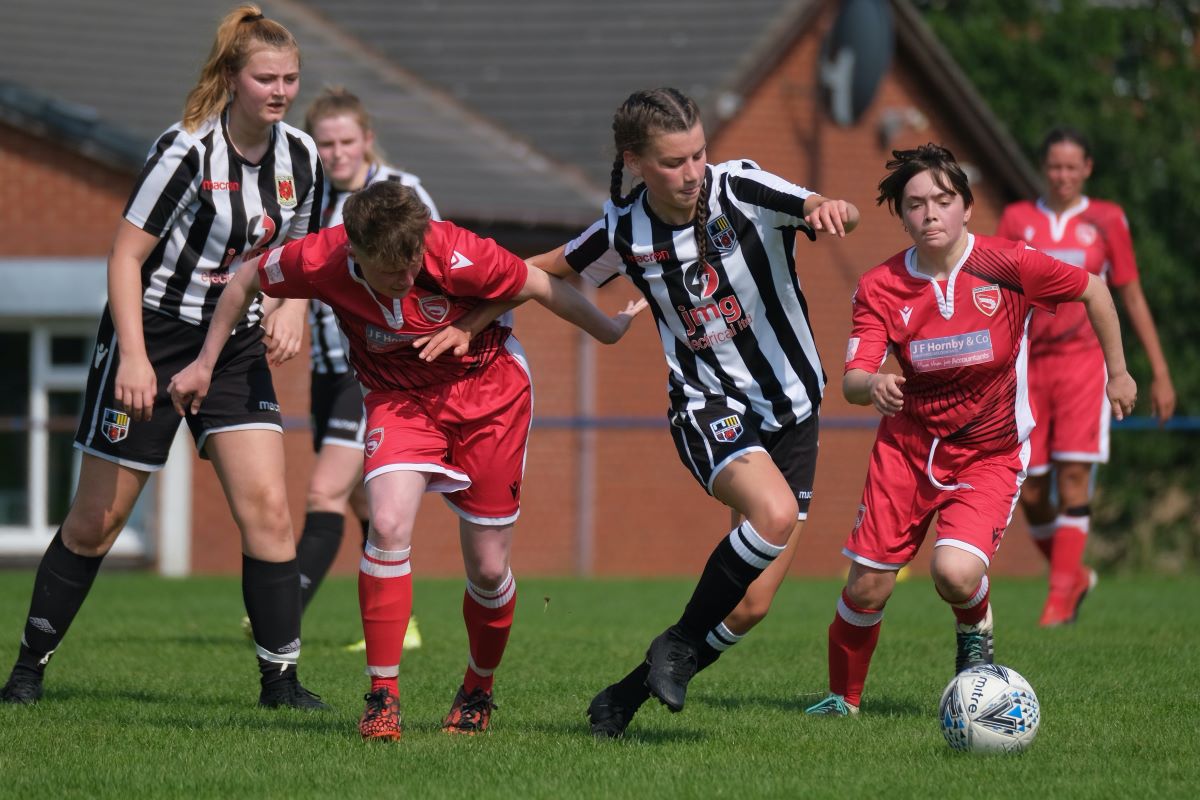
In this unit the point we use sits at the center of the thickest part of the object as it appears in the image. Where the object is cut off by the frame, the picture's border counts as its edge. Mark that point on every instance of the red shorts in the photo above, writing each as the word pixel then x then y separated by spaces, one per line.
pixel 1072 411
pixel 974 502
pixel 469 435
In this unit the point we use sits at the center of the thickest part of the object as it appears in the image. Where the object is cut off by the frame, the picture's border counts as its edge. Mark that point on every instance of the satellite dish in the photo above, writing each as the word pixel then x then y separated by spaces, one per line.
pixel 854 57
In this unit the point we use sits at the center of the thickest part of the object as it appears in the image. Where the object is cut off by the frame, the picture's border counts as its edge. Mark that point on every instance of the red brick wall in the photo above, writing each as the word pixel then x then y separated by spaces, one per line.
pixel 648 515
pixel 55 203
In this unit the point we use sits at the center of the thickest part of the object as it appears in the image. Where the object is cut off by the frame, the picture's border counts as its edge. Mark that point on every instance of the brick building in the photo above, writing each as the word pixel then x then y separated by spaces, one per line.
pixel 514 150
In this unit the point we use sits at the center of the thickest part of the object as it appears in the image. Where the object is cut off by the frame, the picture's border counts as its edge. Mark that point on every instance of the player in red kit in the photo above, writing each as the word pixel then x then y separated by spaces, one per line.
pixel 953 310
pixel 457 426
pixel 1066 375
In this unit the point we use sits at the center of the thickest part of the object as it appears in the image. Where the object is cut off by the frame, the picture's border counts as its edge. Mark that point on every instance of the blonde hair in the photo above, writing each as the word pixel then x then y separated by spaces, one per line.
pixel 338 101
pixel 240 33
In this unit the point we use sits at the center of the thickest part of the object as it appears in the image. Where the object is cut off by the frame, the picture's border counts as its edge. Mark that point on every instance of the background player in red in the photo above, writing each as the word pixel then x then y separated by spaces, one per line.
pixel 458 426
pixel 1066 365
pixel 953 309
pixel 228 181
pixel 339 123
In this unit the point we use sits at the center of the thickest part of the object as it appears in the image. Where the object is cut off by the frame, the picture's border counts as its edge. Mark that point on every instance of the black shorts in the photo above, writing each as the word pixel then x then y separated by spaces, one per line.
pixel 241 396
pixel 707 439
pixel 337 410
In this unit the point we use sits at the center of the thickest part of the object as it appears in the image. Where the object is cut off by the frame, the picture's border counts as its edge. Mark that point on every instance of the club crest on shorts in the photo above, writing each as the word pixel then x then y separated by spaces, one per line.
pixel 727 429
pixel 722 234
pixel 434 307
pixel 115 426
pixel 374 440
pixel 987 298
pixel 285 191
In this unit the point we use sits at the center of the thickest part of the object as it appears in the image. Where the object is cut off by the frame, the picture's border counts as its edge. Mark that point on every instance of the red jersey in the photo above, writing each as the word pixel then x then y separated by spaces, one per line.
pixel 1093 235
pixel 460 271
pixel 960 343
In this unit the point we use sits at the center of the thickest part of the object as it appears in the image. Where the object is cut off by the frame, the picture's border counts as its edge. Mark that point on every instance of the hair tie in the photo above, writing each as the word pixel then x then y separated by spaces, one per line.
pixel 252 18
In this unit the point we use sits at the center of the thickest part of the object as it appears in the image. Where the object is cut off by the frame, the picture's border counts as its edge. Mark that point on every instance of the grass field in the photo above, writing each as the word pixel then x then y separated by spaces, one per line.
pixel 153 692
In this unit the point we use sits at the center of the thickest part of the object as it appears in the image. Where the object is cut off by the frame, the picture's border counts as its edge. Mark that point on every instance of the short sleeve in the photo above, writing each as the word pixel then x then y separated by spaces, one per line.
pixel 1048 281
pixel 1122 262
pixel 868 345
pixel 293 269
pixel 592 255
pixel 479 267
pixel 167 185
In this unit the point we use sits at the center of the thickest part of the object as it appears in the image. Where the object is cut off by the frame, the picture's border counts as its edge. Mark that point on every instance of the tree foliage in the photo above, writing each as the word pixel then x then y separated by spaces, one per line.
pixel 1125 74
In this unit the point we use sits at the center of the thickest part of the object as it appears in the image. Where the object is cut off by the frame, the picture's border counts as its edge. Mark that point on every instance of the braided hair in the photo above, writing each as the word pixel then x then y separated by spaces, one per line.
pixel 644 115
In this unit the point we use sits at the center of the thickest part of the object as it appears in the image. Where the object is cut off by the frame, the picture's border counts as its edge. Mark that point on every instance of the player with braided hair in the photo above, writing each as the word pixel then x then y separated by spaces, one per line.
pixel 711 249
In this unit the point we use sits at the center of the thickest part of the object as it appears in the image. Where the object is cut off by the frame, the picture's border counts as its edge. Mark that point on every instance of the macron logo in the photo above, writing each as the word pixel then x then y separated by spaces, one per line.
pixel 905 313
pixel 101 352
pixel 459 261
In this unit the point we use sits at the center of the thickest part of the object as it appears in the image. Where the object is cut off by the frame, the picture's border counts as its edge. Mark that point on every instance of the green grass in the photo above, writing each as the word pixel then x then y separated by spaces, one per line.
pixel 153 692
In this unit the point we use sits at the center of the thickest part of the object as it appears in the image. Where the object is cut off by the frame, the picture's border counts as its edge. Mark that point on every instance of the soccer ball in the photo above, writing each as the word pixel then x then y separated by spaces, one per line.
pixel 989 709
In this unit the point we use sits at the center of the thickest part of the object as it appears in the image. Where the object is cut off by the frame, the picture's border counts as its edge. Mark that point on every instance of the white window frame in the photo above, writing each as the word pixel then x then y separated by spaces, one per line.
pixel 64 297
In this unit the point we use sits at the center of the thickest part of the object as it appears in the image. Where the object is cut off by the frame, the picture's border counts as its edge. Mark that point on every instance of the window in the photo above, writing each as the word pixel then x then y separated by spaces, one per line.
pixel 43 373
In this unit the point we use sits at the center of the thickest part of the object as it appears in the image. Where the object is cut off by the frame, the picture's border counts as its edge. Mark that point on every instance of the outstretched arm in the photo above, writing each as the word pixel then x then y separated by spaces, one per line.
pixel 190 385
pixel 564 300
pixel 1121 389
pixel 826 215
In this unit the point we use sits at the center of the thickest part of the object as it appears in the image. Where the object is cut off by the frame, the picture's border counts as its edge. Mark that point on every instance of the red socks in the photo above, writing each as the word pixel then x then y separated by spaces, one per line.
pixel 852 639
pixel 385 600
pixel 488 614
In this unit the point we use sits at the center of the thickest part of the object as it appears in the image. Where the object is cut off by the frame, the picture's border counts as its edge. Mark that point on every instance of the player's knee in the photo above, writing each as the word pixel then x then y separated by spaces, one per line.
pixel 871 590
pixel 489 573
pixel 90 529
pixel 775 520
pixel 956 583
pixel 320 498
pixel 391 529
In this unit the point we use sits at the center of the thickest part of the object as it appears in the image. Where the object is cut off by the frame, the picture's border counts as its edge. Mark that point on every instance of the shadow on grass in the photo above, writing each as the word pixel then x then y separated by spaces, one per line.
pixel 579 729
pixel 163 710
pixel 881 707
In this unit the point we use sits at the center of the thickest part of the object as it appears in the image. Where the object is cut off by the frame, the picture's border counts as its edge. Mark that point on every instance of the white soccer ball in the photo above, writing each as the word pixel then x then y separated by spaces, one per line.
pixel 989 709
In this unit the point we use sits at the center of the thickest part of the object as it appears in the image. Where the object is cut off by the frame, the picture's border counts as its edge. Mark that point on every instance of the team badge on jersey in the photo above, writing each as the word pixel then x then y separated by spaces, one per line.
pixel 986 298
pixel 727 429
pixel 434 307
pixel 1085 234
pixel 285 191
pixel 115 426
pixel 701 280
pixel 722 234
pixel 374 440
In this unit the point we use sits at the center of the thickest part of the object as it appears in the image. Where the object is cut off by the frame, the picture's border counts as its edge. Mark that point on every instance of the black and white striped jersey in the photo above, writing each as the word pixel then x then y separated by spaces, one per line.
pixel 735 329
pixel 328 345
pixel 212 210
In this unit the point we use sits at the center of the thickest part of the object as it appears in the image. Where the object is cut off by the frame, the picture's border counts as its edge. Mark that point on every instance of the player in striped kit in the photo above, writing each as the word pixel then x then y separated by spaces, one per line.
pixel 953 310
pixel 228 181
pixel 711 249
pixel 341 127
pixel 1066 365
pixel 458 426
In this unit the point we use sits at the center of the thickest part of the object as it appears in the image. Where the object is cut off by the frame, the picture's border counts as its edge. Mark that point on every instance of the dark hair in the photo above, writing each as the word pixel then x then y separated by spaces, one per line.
pixel 386 221
pixel 907 164
pixel 644 115
pixel 1064 133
